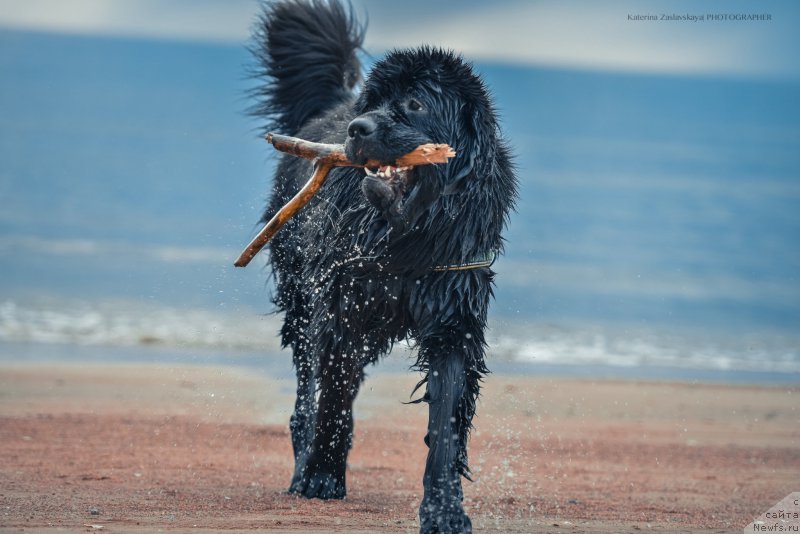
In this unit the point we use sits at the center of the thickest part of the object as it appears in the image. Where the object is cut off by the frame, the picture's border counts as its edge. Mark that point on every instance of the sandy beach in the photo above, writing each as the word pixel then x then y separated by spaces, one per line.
pixel 149 447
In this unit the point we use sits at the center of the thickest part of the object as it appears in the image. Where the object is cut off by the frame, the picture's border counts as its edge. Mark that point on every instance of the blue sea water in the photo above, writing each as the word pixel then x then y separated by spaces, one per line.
pixel 657 224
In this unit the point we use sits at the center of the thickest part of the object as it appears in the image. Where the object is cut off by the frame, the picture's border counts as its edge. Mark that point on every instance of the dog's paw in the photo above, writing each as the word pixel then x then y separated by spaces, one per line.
pixel 318 485
pixel 439 519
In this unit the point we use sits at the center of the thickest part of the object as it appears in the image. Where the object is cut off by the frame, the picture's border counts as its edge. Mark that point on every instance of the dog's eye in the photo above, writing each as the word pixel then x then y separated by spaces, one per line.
pixel 414 105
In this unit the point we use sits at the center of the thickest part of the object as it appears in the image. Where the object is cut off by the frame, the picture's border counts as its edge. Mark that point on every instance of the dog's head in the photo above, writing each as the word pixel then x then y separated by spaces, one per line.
pixel 413 97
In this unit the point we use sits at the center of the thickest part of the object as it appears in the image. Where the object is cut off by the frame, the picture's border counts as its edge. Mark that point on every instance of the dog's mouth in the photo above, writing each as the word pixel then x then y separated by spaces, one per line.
pixel 386 188
pixel 390 173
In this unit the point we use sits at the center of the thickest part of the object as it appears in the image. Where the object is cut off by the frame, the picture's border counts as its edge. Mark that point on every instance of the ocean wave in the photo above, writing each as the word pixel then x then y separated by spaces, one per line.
pixel 27 244
pixel 111 322
pixel 753 352
pixel 126 323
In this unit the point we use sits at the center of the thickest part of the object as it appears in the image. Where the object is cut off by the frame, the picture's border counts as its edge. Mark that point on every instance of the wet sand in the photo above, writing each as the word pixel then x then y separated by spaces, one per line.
pixel 140 448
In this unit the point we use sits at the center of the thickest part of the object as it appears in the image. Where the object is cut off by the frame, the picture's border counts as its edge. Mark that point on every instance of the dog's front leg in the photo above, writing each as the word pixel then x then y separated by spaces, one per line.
pixel 322 471
pixel 450 395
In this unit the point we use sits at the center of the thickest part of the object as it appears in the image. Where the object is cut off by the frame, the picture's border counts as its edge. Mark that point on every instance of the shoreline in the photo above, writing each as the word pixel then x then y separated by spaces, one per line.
pixel 206 447
pixel 278 363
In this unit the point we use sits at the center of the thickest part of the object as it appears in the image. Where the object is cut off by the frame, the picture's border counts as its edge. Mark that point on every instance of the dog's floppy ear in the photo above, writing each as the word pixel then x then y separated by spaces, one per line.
pixel 474 145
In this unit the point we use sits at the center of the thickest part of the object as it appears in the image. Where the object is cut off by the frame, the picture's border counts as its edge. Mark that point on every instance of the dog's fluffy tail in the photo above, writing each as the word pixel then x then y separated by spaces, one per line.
pixel 306 54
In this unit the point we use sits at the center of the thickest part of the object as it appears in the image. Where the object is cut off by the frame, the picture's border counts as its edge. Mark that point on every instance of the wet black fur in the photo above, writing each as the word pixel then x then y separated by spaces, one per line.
pixel 353 278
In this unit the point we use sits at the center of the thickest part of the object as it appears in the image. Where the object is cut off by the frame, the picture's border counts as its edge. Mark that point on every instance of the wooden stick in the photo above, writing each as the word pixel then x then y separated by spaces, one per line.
pixel 325 157
pixel 422 155
pixel 308 149
pixel 302 198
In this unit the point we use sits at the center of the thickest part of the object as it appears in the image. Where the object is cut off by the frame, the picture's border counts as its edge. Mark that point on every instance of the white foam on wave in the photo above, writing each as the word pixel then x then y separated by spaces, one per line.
pixel 756 352
pixel 132 323
pixel 128 323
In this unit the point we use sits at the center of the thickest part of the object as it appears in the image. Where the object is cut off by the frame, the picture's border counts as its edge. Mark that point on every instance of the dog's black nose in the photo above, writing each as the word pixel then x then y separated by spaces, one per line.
pixel 361 127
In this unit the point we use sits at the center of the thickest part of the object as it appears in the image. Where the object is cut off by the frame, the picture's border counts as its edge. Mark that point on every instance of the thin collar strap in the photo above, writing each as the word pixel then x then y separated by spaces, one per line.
pixel 484 260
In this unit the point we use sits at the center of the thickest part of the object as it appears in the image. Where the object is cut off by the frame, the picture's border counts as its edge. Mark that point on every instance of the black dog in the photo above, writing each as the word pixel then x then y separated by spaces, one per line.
pixel 382 255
